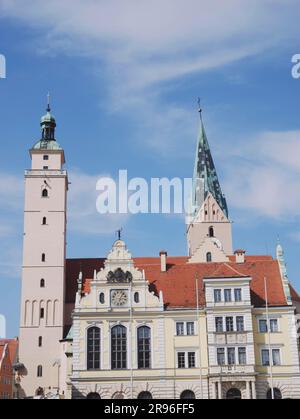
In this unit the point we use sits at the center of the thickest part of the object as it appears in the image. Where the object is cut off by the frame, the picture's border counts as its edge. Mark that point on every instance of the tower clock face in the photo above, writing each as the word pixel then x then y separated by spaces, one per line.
pixel 119 298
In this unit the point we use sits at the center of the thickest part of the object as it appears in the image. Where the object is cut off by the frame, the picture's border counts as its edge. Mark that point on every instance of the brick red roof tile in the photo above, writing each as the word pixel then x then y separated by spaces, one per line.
pixel 13 345
pixel 178 283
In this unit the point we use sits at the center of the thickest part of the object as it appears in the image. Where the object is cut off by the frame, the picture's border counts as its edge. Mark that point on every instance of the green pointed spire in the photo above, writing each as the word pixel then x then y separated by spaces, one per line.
pixel 205 175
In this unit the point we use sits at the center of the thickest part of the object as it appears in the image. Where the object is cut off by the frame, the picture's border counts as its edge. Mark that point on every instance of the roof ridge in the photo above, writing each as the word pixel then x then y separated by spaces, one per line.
pixel 229 267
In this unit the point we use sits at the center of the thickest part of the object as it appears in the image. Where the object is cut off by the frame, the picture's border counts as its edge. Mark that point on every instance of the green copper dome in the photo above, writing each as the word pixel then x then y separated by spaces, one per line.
pixel 48 118
pixel 47 145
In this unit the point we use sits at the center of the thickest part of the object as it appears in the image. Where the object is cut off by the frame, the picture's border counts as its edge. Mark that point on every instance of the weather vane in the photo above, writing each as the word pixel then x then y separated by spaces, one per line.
pixel 199 103
pixel 119 233
pixel 48 102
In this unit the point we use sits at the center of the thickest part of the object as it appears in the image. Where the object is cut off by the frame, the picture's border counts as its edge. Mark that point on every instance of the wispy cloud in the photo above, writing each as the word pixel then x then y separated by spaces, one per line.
pixel 139 47
pixel 83 215
pixel 262 175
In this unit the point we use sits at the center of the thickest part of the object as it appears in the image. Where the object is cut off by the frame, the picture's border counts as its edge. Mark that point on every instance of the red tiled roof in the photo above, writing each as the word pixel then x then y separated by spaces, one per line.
pixel 178 283
pixel 13 345
pixel 2 347
pixel 224 270
pixel 295 296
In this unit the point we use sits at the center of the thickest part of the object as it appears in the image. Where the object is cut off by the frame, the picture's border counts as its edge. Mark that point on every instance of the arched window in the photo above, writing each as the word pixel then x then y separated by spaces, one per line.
pixel 277 394
pixel 40 341
pixel 43 257
pixel 118 396
pixel 93 396
pixel 145 395
pixel 118 348
pixel 211 232
pixel 42 283
pixel 42 313
pixel 45 193
pixel 44 221
pixel 136 297
pixel 233 394
pixel 188 395
pixel 208 257
pixel 102 298
pixel 144 347
pixel 93 348
pixel 39 371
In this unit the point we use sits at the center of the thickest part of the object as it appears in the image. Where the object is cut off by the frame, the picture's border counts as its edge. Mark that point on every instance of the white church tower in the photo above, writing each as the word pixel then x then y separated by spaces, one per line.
pixel 209 231
pixel 44 255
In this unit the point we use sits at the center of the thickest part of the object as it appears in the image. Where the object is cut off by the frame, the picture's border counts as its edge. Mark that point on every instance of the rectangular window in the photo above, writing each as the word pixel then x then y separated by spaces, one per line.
pixel 229 324
pixel 42 313
pixel 219 324
pixel 274 325
pixel 227 295
pixel 46 157
pixel 238 294
pixel 180 329
pixel 242 356
pixel 221 356
pixel 231 356
pixel 181 359
pixel 217 296
pixel 240 324
pixel 190 328
pixel 192 359
pixel 263 327
pixel 276 357
pixel 45 167
pixel 265 357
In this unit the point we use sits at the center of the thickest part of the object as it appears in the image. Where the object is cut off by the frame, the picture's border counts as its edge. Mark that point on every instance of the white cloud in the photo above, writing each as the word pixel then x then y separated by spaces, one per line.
pixel 82 215
pixel 11 192
pixel 262 176
pixel 139 46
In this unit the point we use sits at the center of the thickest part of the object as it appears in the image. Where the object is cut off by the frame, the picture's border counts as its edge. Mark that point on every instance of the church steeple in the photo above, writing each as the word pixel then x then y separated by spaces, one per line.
pixel 205 174
pixel 209 232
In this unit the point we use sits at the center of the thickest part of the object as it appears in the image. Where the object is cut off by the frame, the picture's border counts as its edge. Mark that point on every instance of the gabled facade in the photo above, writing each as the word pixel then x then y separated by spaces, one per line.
pixel 8 377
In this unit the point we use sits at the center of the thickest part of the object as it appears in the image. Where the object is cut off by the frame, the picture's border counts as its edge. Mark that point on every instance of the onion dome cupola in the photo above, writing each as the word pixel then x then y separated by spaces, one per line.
pixel 48 125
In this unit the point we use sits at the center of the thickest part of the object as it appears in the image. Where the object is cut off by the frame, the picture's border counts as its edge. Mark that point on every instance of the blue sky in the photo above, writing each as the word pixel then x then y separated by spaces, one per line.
pixel 124 78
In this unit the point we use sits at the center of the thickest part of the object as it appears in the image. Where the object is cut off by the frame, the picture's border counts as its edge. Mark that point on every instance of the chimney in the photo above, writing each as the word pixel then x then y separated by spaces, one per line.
pixel 240 256
pixel 163 261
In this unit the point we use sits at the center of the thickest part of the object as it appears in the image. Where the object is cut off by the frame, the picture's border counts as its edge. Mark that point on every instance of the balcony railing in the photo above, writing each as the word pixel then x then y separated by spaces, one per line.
pixel 232 369
pixel 47 172
pixel 232 338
